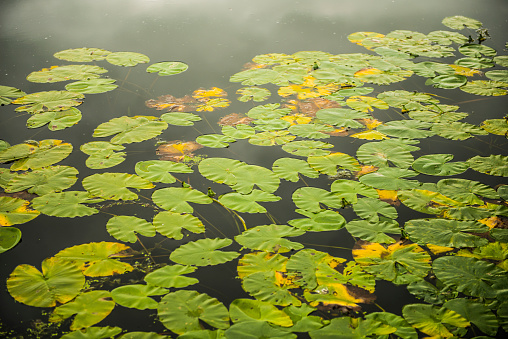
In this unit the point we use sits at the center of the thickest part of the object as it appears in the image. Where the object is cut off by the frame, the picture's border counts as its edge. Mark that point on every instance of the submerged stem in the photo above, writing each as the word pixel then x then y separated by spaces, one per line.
pixel 146 250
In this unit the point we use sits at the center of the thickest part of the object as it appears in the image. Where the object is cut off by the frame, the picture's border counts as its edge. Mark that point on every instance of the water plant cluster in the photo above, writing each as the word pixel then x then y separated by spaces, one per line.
pixel 452 256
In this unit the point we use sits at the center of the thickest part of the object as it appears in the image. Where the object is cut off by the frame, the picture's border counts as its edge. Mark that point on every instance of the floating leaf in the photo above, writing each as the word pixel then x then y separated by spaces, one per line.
pixel 48 101
pixel 137 296
pixel 326 220
pixel 501 60
pixel 180 118
pixel 457 130
pixel 477 313
pixel 432 320
pixel 89 308
pixel 247 202
pixel 9 237
pixel 470 276
pixel 353 328
pixel 477 51
pixel 60 281
pixel 171 276
pixel 439 165
pixel 203 252
pixel 302 321
pixel 95 333
pixel 438 113
pixel 404 330
pixel 484 87
pixel 426 201
pixel 97 259
pixel 271 138
pixel 407 100
pixel 430 69
pixel 397 262
pixel 307 148
pixel 114 186
pixel 495 164
pixel 496 126
pixel 409 129
pixel 35 155
pixel 447 81
pixel 365 104
pixel 127 59
pixel 159 171
pixel 8 93
pixel 14 211
pixel 83 54
pixel 290 169
pixel 253 77
pixel 170 224
pixel 220 170
pixel 342 117
pixel 312 199
pixel 477 63
pixel 268 111
pixel 311 131
pixel 130 129
pixel 167 68
pixel 459 21
pixel 125 228
pixel 92 86
pixel 382 154
pixel 56 120
pixel 214 140
pixel 240 131
pixel 466 191
pixel 175 199
pixel 371 209
pixel 68 204
pixel 257 330
pixel 270 238
pixel 271 124
pixel 349 190
pixel 390 178
pixel 248 309
pixel 442 232
pixel 43 181
pixel 380 77
pixel 64 73
pixel 102 154
pixel 271 287
pixel 248 176
pixel 253 93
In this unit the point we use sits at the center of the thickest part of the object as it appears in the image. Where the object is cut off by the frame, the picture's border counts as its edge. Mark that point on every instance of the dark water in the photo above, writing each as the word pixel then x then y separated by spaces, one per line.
pixel 215 38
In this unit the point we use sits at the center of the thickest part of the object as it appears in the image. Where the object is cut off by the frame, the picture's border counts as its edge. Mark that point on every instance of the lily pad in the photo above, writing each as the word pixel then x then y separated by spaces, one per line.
pixel 7 94
pixel 466 191
pixel 307 148
pixel 247 203
pixel 381 154
pixel 439 165
pixel 494 164
pixel 257 330
pixel 56 120
pixel 372 209
pixel 477 63
pixel 270 238
pixel 137 296
pixel 180 118
pixel 95 333
pixel 342 117
pixel 459 21
pixel 64 73
pixel 171 224
pixel 457 130
pixel 447 81
pixel 60 281
pixel 475 312
pixel 313 199
pixel 171 276
pixel 253 77
pixel 290 169
pixel 68 204
pixel 248 309
pixel 114 186
pixel 432 320
pixel 92 86
pixel 214 140
pixel 350 189
pixel 240 131
pixel 203 252
pixel 271 138
pixel 326 220
pixel 14 211
pixel 43 181
pixel 409 129
pixel 9 237
pixel 83 54
pixel 496 126
pixel 390 178
pixel 374 231
pixel 167 68
pixel 125 228
pixel 477 51
pixel 127 59
pixel 48 101
pixel 311 131
pixel 484 87
pixel 130 129
pixel 35 155
pixel 159 171
pixel 102 154
pixel 175 199
pixel 253 93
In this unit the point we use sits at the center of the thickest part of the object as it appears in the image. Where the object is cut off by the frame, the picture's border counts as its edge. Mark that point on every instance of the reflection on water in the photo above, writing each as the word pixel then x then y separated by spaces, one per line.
pixel 215 38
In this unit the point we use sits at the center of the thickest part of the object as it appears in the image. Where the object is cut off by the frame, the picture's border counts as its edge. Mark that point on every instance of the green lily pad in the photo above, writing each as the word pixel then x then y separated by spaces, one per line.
pixel 350 189
pixel 447 233
pixel 268 111
pixel 247 203
pixel 253 93
pixel 307 148
pixel 203 252
pixel 55 120
pixel 64 73
pixel 372 209
pixel 311 131
pixel 447 81
pixel 60 281
pixel 240 131
pixel 470 276
pixel 266 286
pixel 114 186
pixel 466 191
pixel 342 117
pixel 170 224
pixel 326 220
pixel 312 199
pixel 214 140
pixel 302 321
pixel 167 68
pixel 439 165
pixel 14 211
pixel 496 126
pixel 171 276
pixel 48 101
pixel 459 21
pixel 35 155
pixel 475 312
pixel 43 181
pixel 390 178
pixel 127 59
pixel 477 51
pixel 159 171
pixel 130 129
pixel 494 164
pixel 366 104
pixel 98 259
pixel 9 237
pixel 89 308
pixel 432 320
pixel 92 86
pixel 438 113
pixel 270 238
pixel 484 87
pixel 501 60
pixel 174 199
pixel 271 138
pixel 180 118
pixel 137 296
pixel 94 333
pixel 248 309
pixel 410 129
pixel 352 328
pixel 477 63
pixel 125 228
pixel 7 94
pixel 83 54
pixel 290 169
pixel 68 204
pixel 382 154
pixel 457 130
pixel 257 330
pixel 248 176
pixel 374 231
pixel 220 170
pixel 269 125
pixel 102 154
pixel 329 164
pixel 253 77
pixel 404 330
pixel 407 100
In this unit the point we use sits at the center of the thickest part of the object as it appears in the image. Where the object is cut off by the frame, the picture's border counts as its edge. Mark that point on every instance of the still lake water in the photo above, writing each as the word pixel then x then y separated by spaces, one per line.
pixel 215 38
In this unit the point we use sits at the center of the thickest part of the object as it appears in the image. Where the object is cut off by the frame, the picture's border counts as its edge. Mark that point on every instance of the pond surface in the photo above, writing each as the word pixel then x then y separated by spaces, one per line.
pixel 216 39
